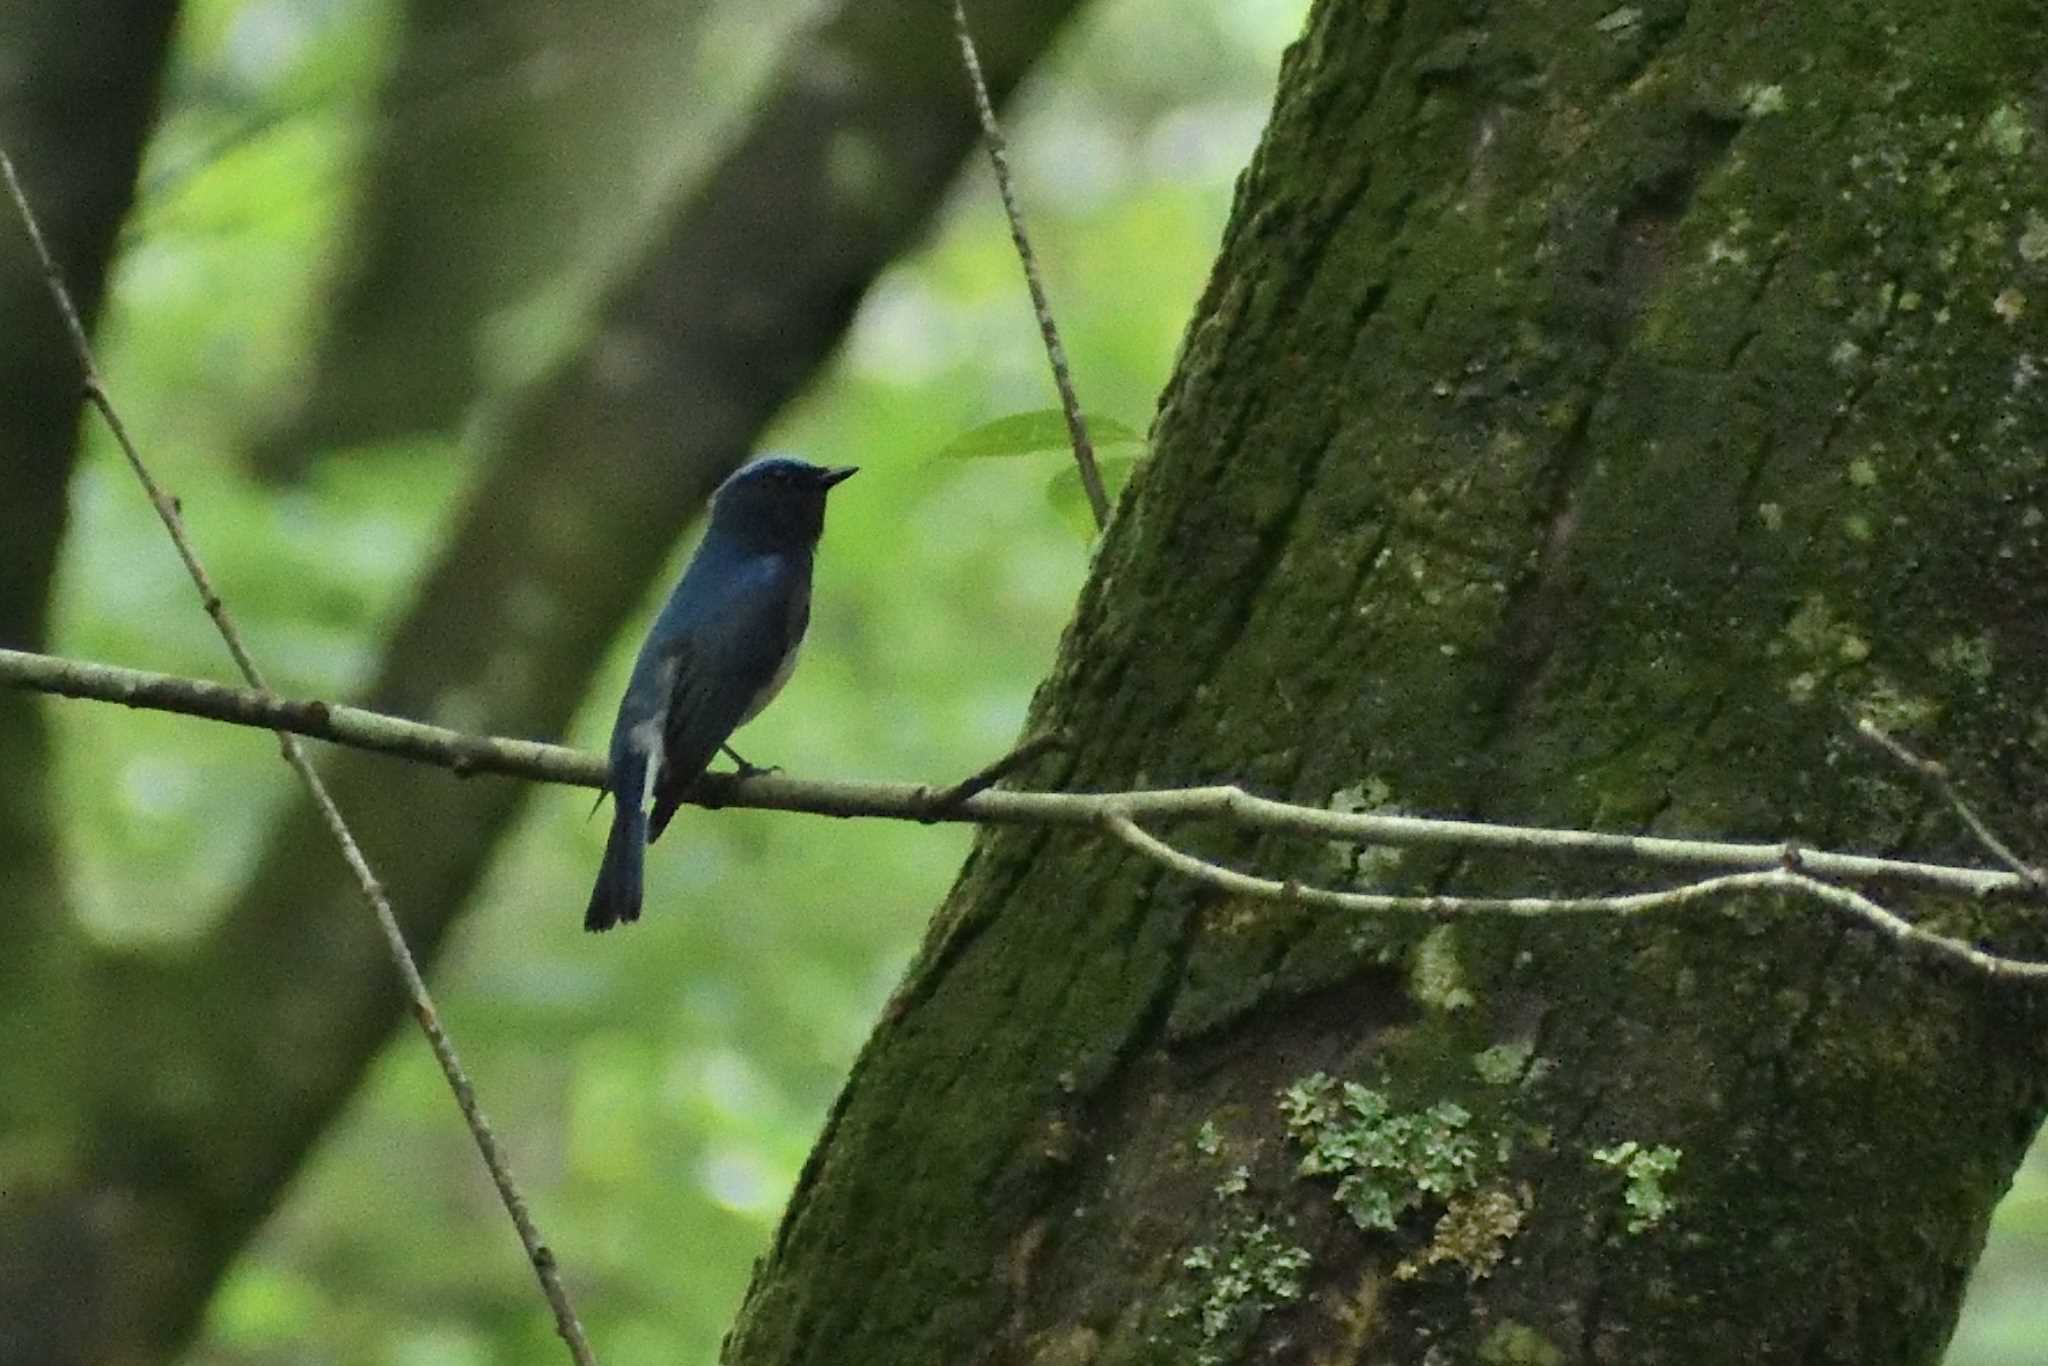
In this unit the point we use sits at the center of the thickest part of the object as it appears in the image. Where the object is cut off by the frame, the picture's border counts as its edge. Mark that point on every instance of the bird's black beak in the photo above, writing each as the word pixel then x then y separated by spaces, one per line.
pixel 837 473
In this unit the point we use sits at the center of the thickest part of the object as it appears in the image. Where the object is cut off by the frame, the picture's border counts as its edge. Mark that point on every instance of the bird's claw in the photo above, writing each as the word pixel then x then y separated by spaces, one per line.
pixel 746 770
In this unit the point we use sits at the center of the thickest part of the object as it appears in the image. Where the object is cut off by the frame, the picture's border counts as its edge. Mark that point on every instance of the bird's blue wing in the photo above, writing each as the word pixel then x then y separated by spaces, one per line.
pixel 728 650
pixel 715 650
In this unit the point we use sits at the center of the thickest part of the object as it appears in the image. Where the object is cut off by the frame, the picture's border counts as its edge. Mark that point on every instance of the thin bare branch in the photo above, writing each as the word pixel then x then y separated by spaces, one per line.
pixel 1936 775
pixel 443 1047
pixel 985 778
pixel 1062 377
pixel 1783 879
pixel 466 754
pixel 344 725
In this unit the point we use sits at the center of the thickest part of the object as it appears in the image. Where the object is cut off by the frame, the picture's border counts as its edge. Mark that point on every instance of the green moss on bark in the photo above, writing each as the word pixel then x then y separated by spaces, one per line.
pixel 1586 415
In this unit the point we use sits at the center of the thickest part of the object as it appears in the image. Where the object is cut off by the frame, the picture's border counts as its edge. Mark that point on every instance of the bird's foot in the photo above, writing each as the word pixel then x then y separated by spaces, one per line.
pixel 747 770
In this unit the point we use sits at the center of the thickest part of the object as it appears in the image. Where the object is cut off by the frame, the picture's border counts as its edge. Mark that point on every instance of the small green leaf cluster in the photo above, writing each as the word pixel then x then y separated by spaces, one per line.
pixel 1645 1169
pixel 1245 1273
pixel 1045 433
pixel 1386 1162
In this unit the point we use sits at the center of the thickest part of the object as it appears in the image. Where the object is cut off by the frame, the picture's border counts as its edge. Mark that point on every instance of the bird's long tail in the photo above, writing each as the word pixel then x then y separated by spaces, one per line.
pixel 616 897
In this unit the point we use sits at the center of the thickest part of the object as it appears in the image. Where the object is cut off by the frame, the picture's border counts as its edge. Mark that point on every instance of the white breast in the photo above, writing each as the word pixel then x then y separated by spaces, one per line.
pixel 772 686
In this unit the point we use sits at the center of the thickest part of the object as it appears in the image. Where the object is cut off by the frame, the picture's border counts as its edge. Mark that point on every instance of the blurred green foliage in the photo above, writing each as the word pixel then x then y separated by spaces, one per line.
pixel 658 1091
pixel 1042 435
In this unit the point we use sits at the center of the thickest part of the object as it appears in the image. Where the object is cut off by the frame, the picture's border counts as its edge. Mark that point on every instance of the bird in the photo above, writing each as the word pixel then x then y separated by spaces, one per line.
pixel 723 646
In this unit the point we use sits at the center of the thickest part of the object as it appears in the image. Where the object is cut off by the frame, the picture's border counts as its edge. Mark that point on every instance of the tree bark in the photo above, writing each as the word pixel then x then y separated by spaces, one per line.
pixel 1591 411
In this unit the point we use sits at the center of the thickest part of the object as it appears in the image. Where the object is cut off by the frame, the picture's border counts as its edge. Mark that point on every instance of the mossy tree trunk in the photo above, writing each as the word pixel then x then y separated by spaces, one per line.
pixel 1593 409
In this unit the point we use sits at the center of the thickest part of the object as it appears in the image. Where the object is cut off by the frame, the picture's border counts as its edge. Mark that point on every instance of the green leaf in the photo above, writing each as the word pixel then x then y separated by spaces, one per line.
pixel 1070 500
pixel 1030 433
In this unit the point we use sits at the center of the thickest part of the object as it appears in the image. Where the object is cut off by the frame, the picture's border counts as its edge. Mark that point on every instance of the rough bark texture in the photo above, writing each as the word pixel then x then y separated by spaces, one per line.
pixel 216 1067
pixel 1592 408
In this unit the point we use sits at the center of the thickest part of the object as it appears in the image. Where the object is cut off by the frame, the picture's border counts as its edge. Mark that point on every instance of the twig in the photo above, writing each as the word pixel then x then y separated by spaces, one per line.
pixel 1936 775
pixel 1896 928
pixel 1062 378
pixel 422 1003
pixel 985 778
pixel 466 754
pixel 351 726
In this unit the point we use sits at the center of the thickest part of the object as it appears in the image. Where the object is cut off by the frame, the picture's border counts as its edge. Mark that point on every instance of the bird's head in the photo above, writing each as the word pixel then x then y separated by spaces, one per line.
pixel 775 502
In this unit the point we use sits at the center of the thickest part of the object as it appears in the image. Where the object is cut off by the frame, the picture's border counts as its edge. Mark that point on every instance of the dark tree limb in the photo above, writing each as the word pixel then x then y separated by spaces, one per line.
pixel 78 96
pixel 78 91
pixel 510 143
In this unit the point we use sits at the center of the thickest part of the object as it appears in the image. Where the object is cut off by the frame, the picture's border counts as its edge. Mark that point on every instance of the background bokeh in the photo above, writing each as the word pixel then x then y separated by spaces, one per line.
pixel 659 1089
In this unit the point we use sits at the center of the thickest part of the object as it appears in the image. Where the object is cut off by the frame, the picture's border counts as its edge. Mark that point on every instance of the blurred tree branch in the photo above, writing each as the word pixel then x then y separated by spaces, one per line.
pixel 78 88
pixel 586 480
pixel 421 1002
pixel 512 144
pixel 78 95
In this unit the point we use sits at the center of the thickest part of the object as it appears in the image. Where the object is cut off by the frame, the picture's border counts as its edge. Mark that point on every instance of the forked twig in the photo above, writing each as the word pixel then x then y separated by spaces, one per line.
pixel 1785 878
pixel 1936 775
pixel 981 780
